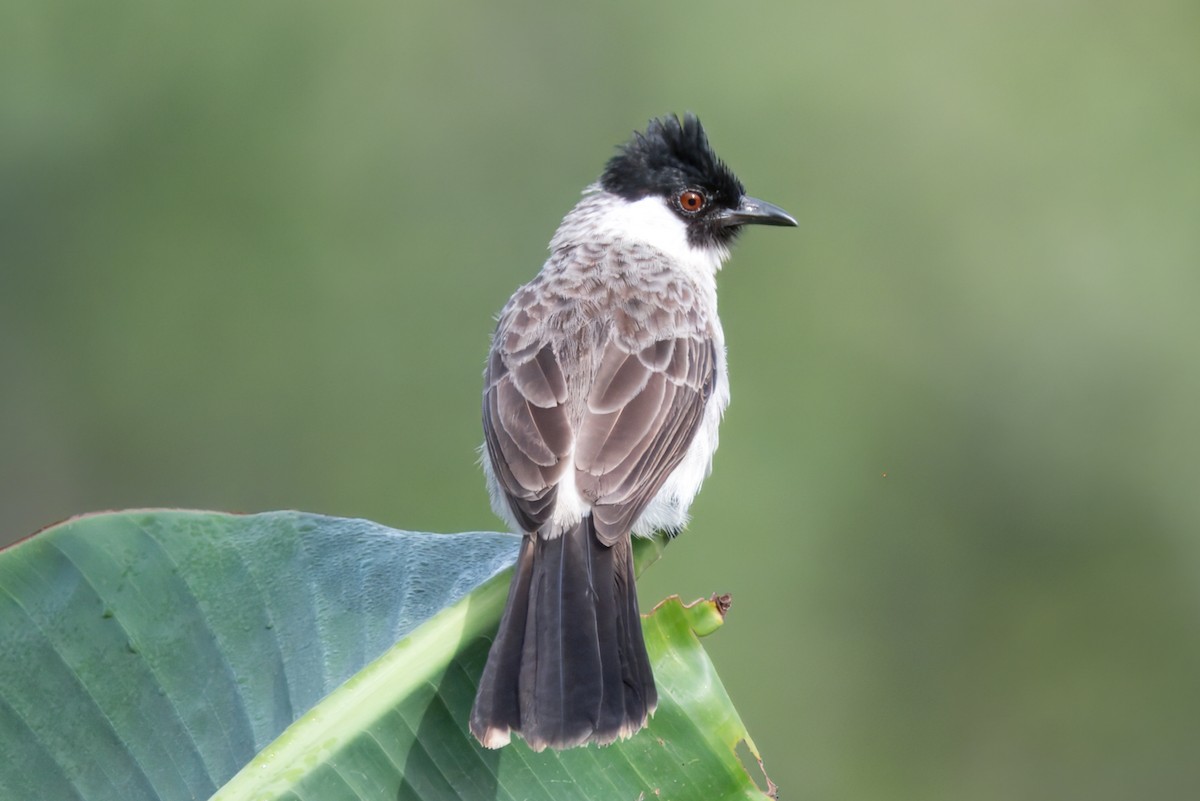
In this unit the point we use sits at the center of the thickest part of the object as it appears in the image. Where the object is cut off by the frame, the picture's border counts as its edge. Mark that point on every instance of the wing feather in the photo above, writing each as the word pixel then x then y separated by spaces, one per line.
pixel 630 453
pixel 640 389
pixel 619 380
pixel 526 429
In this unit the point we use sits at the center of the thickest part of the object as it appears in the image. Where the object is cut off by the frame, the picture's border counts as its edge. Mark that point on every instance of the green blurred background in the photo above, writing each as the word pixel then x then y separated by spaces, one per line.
pixel 250 255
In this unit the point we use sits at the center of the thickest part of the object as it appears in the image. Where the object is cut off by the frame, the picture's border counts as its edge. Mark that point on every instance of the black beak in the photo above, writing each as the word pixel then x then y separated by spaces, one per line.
pixel 752 211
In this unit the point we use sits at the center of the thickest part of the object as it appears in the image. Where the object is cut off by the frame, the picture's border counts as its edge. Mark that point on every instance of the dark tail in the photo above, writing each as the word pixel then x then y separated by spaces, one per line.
pixel 568 665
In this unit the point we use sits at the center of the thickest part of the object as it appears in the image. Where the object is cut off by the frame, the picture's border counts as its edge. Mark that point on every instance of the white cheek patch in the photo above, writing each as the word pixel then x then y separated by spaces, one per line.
pixel 650 221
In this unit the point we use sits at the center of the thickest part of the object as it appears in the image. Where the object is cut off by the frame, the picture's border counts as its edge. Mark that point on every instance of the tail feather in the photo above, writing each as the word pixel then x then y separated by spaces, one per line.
pixel 569 663
pixel 641 696
pixel 612 713
pixel 497 711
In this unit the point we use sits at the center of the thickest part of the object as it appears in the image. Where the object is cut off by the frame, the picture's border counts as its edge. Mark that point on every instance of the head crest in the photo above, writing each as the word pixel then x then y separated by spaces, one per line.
pixel 669 156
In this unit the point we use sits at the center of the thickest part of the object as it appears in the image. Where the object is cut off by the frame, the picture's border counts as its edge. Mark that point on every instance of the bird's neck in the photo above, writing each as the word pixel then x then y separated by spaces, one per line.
pixel 607 220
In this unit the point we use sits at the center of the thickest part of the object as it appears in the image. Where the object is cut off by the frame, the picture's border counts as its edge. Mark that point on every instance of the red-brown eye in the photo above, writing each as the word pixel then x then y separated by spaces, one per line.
pixel 691 201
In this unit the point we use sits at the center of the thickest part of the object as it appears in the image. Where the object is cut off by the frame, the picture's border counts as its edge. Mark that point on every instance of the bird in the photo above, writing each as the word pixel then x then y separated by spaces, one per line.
pixel 603 390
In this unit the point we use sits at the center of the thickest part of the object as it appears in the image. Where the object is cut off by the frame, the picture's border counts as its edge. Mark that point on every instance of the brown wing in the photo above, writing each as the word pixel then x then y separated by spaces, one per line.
pixel 643 411
pixel 526 429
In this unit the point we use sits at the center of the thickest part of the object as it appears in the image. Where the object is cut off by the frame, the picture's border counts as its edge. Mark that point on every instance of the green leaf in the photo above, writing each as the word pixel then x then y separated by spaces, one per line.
pixel 152 655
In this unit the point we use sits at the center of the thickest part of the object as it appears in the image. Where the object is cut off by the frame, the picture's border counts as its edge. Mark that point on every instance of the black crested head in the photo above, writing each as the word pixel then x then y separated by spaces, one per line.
pixel 670 156
pixel 672 160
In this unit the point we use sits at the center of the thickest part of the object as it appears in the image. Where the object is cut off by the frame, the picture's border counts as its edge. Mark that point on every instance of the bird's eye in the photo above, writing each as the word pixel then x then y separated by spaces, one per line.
pixel 691 201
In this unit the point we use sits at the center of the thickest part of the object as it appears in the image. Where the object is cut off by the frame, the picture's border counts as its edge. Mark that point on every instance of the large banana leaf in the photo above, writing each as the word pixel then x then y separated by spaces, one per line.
pixel 153 655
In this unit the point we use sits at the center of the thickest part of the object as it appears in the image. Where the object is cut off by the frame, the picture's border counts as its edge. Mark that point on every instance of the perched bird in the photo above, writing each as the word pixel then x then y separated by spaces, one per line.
pixel 602 394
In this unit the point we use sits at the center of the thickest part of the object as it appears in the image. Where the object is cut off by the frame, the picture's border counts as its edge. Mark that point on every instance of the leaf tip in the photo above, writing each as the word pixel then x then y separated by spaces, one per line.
pixel 707 615
pixel 752 763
